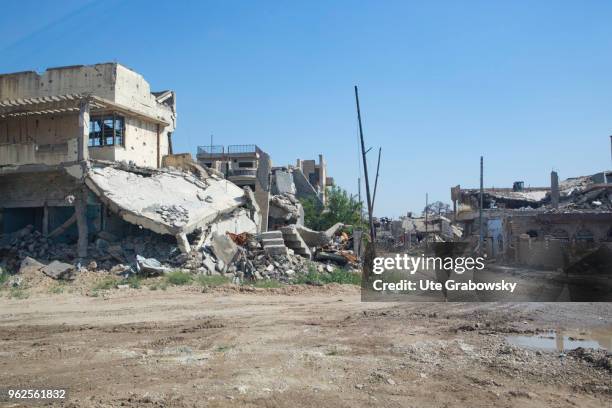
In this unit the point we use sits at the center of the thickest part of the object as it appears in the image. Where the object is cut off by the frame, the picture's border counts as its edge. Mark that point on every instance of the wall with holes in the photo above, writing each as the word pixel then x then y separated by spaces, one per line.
pixel 39 139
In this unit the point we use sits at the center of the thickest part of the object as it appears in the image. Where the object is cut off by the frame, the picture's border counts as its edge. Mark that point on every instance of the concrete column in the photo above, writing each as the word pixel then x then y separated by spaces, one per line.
pixel 158 148
pixel 554 189
pixel 45 220
pixel 183 243
pixel 83 136
pixel 80 210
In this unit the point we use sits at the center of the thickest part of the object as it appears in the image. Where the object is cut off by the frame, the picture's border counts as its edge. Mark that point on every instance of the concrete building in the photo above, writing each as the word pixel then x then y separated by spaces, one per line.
pixel 245 166
pixel 67 114
pixel 316 174
pixel 64 131
pixel 541 227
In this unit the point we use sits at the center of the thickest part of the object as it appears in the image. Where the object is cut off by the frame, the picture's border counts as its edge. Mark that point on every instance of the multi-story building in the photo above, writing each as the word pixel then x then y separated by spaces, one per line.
pixel 316 174
pixel 54 125
pixel 245 166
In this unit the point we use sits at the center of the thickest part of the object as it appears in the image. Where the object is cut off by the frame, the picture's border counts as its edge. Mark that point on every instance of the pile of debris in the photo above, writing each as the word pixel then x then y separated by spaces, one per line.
pixel 285 209
pixel 169 219
pixel 592 197
pixel 28 242
pixel 281 255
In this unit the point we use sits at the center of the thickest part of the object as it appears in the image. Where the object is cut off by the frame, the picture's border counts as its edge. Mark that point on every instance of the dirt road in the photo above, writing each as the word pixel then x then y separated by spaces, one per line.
pixel 314 347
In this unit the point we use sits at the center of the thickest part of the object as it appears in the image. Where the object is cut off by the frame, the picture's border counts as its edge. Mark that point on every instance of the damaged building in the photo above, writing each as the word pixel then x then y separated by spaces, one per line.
pixel 81 151
pixel 548 227
pixel 316 175
pixel 86 158
pixel 245 166
pixel 278 190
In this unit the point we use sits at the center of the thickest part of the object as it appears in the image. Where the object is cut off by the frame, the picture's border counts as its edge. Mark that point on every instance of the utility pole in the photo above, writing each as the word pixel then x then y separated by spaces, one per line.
pixel 481 236
pixel 376 179
pixel 426 220
pixel 360 202
pixel 365 168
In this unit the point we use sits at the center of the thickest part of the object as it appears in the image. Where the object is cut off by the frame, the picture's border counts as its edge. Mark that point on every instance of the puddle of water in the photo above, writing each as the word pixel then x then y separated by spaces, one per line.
pixel 559 340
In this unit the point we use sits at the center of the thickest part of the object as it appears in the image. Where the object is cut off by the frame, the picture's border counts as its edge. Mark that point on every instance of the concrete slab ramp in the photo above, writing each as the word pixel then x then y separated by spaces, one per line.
pixel 166 202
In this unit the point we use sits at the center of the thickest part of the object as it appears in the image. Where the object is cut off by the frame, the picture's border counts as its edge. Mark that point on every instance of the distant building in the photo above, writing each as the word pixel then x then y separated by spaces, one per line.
pixel 243 165
pixel 316 174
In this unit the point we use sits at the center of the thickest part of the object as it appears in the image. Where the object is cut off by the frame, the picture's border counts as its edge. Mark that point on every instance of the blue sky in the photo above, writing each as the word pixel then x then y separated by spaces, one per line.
pixel 526 84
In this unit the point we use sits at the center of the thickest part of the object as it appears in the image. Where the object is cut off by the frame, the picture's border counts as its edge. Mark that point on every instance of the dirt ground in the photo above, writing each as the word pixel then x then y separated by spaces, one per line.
pixel 302 346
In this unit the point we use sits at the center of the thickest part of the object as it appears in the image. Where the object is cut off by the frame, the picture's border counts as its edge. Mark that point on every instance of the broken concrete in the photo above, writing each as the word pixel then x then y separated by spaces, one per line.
pixel 223 248
pixel 283 183
pixel 284 210
pixel 164 202
pixel 28 264
pixel 150 266
pixel 294 241
pixel 59 270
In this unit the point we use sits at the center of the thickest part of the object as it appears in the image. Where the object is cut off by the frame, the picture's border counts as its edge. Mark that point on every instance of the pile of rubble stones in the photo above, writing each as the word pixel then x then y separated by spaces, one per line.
pixel 241 258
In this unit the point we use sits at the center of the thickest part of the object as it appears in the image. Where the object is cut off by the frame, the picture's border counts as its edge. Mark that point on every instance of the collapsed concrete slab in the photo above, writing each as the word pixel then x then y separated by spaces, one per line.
pixel 59 270
pixel 314 238
pixel 224 248
pixel 150 266
pixel 236 222
pixel 164 202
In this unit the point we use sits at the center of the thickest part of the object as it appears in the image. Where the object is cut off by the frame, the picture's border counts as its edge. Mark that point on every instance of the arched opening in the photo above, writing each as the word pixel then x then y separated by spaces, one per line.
pixel 560 234
pixel 532 233
pixel 584 235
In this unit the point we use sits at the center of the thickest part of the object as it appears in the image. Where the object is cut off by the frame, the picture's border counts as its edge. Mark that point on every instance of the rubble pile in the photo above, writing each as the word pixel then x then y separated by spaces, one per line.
pixel 242 257
pixel 597 198
pixel 247 257
pixel 28 242
pixel 168 220
pixel 285 209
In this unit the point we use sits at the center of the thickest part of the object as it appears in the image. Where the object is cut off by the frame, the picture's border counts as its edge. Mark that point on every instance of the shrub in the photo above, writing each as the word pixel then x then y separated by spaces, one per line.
pixel 107 283
pixel 344 277
pixel 212 280
pixel 163 285
pixel 56 289
pixel 18 293
pixel 338 275
pixel 179 278
pixel 133 281
pixel 3 277
pixel 267 283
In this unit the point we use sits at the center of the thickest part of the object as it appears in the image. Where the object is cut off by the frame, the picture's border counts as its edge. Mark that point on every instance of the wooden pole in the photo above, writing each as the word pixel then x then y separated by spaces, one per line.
pixel 426 220
pixel 365 168
pixel 376 179
pixel 481 235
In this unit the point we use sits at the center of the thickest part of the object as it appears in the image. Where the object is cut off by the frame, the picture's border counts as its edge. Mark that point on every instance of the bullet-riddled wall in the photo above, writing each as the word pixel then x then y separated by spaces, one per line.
pixel 52 139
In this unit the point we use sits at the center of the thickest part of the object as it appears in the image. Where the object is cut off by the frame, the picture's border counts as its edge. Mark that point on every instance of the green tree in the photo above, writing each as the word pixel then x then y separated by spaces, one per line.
pixel 340 207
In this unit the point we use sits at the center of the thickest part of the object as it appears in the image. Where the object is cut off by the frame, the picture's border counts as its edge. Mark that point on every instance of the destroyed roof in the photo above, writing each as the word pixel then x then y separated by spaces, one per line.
pixel 533 194
pixel 67 103
pixel 166 202
pixel 418 225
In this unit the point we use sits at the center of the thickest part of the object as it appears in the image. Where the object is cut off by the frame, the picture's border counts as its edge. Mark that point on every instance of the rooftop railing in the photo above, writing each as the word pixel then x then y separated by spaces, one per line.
pixel 248 148
pixel 214 149
pixel 220 150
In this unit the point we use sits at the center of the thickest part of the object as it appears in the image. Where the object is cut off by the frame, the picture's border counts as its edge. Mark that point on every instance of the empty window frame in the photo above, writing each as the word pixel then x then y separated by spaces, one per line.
pixel 107 130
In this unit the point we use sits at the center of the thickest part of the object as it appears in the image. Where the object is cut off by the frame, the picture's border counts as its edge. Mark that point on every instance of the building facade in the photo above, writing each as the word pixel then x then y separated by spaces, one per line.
pixel 245 166
pixel 54 125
